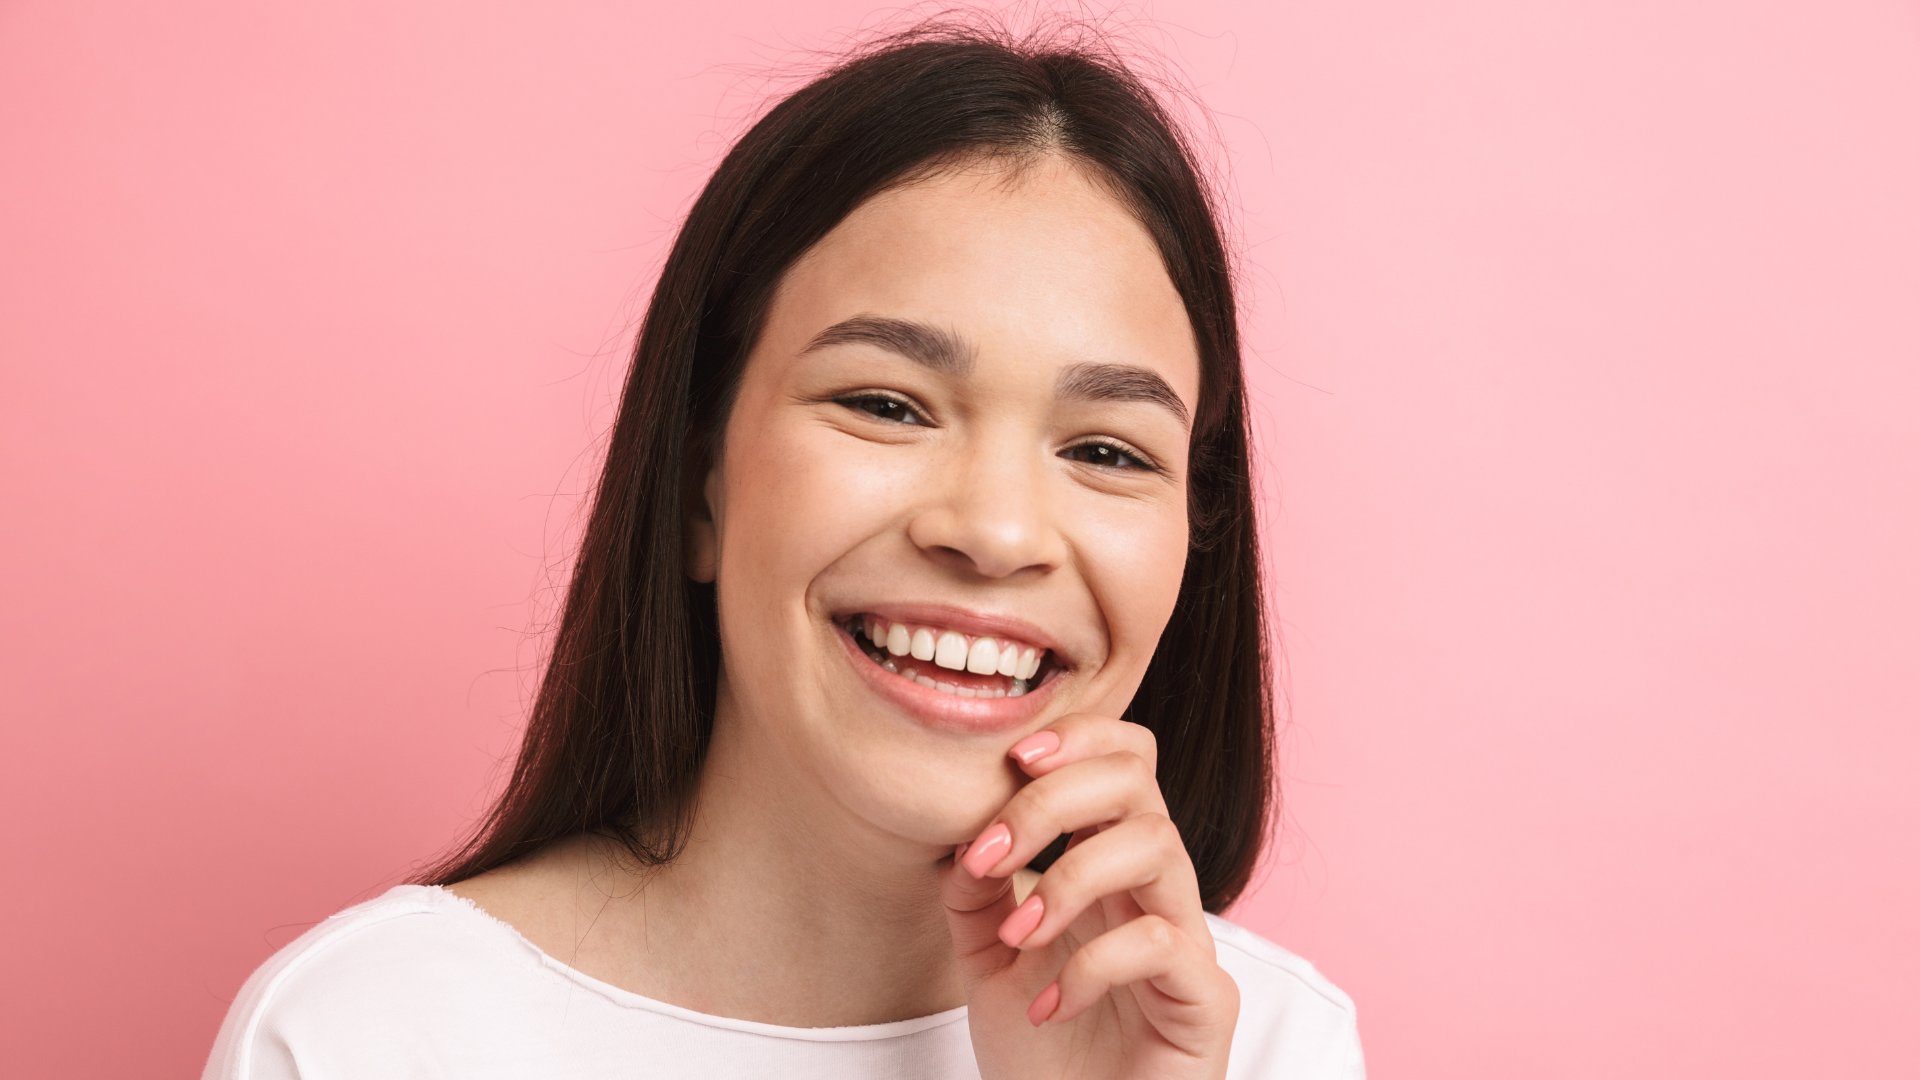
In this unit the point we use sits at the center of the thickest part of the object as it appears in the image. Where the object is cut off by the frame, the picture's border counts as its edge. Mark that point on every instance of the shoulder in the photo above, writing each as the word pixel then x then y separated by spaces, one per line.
pixel 1294 1021
pixel 361 991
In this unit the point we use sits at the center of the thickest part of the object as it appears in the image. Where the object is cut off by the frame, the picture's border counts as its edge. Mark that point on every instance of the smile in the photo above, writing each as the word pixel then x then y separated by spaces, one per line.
pixel 962 701
pixel 954 669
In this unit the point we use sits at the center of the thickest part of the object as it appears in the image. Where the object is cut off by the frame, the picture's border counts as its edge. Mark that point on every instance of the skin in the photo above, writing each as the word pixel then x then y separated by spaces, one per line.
pixel 826 820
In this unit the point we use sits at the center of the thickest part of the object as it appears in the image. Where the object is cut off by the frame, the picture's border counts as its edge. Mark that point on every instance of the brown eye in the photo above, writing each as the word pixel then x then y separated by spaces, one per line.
pixel 886 407
pixel 1108 455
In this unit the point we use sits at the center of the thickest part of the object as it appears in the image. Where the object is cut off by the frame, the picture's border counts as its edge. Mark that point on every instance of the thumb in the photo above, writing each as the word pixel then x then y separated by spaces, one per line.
pixel 975 909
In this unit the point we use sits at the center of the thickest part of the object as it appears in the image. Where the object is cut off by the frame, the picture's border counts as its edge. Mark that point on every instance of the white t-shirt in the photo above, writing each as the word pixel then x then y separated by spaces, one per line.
pixel 419 982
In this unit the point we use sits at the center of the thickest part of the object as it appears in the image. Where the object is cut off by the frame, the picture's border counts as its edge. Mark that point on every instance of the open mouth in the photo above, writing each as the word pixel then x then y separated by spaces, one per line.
pixel 947 680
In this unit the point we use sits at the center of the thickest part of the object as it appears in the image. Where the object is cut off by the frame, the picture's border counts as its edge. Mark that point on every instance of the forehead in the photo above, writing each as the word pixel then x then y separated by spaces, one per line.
pixel 1050 268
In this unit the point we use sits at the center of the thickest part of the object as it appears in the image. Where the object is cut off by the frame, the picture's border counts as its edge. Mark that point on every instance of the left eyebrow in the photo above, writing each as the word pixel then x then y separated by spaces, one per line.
pixel 1119 382
pixel 948 353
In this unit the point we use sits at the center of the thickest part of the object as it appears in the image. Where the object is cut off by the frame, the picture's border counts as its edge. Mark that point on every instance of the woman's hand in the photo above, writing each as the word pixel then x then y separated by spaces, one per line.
pixel 1117 978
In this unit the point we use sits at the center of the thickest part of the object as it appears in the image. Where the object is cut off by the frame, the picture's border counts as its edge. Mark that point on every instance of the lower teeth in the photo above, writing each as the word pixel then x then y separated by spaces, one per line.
pixel 1019 685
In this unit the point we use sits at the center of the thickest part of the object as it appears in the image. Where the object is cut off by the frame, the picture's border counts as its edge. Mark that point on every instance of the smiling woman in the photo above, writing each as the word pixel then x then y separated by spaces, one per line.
pixel 910 709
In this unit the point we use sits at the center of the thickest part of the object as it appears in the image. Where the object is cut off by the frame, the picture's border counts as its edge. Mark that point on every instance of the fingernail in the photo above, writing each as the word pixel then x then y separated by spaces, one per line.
pixel 1035 746
pixel 1044 1005
pixel 987 849
pixel 1023 921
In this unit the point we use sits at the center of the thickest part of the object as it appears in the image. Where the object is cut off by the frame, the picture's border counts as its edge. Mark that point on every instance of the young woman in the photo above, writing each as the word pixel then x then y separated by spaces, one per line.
pixel 909 714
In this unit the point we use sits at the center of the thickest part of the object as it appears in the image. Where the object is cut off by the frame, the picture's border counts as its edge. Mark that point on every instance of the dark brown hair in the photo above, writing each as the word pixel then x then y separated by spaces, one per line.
pixel 621 724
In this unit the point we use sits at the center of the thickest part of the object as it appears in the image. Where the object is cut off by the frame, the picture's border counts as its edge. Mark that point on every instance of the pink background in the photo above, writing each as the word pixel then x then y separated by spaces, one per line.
pixel 1583 342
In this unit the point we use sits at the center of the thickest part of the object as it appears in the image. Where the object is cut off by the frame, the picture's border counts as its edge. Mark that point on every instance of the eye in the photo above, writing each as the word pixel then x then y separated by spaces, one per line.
pixel 893 407
pixel 1108 452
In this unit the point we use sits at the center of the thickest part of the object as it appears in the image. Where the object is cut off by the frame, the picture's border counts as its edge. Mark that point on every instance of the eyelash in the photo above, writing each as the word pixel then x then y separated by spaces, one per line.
pixel 853 401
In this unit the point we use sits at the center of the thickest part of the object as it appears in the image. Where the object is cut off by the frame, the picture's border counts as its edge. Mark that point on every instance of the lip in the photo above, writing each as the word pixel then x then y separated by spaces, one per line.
pixel 971 623
pixel 940 710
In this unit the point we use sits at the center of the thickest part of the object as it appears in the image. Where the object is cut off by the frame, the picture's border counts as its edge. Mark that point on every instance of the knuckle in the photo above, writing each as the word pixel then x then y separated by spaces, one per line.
pixel 1067 877
pixel 1033 807
pixel 1226 1015
pixel 1086 963
pixel 1229 990
pixel 1148 744
pixel 1167 833
pixel 1158 932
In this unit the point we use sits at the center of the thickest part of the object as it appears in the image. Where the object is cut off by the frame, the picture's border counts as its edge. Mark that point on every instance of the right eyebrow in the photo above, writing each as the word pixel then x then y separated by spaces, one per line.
pixel 923 343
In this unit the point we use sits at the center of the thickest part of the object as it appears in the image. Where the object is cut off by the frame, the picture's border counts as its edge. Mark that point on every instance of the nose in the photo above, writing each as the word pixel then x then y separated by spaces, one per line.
pixel 986 509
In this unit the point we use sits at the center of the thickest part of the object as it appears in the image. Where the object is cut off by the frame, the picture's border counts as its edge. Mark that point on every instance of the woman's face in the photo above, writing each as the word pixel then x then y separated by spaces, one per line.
pixel 980 491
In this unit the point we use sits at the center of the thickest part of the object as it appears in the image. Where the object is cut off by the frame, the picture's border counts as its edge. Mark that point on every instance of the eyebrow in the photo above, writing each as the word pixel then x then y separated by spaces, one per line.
pixel 947 353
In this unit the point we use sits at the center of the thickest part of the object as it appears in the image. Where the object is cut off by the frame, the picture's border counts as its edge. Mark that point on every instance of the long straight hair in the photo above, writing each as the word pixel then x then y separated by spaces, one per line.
pixel 624 713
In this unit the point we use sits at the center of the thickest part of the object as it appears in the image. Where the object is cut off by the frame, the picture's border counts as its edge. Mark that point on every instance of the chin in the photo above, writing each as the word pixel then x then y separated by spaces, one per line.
pixel 941 800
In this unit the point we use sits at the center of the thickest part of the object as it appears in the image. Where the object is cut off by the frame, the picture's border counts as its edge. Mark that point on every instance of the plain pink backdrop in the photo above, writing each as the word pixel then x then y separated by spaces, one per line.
pixel 1583 346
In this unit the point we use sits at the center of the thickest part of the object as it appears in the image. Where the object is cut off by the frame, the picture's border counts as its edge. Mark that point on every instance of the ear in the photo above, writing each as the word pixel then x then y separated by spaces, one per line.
pixel 700 555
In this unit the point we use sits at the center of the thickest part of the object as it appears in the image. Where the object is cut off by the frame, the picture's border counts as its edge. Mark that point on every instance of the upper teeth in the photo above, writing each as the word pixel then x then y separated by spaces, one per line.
pixel 953 650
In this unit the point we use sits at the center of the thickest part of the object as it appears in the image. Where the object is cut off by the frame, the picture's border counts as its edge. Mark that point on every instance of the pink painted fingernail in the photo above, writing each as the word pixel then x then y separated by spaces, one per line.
pixel 988 849
pixel 1044 1005
pixel 1022 922
pixel 1035 746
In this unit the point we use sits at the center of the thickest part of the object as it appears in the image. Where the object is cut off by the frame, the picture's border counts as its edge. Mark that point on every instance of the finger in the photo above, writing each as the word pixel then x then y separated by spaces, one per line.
pixel 1142 857
pixel 1080 836
pixel 975 907
pixel 1078 736
pixel 1182 989
pixel 1097 791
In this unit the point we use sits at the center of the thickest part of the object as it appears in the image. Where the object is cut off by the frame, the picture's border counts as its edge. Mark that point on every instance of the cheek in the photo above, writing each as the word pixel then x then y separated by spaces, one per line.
pixel 800 496
pixel 1133 555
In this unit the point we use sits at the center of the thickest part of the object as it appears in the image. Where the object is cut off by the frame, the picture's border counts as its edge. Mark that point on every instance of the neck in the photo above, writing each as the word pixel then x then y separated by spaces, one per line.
pixel 784 917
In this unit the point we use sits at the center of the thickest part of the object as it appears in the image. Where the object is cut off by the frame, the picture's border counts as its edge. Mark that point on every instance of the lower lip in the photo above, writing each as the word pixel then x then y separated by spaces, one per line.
pixel 949 712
